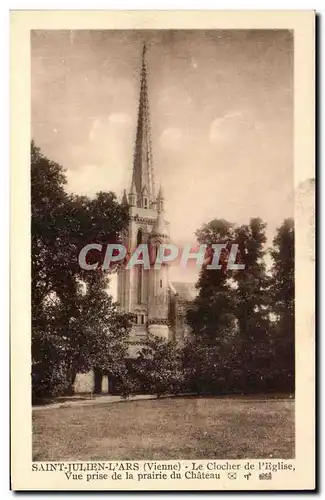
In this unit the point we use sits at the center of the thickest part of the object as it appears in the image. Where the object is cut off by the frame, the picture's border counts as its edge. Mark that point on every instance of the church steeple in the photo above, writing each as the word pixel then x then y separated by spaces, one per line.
pixel 144 292
pixel 142 167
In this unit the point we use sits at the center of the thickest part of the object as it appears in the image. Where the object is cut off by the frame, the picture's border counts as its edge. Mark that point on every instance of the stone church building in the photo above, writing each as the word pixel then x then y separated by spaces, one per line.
pixel 158 305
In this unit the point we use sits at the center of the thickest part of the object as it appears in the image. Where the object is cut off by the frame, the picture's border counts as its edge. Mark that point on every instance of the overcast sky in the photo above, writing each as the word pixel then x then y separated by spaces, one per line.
pixel 221 111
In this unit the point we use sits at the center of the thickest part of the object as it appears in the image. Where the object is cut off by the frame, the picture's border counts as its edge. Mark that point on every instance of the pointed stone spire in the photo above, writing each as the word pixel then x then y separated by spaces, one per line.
pixel 160 200
pixel 160 193
pixel 142 166
pixel 133 194
pixel 124 198
pixel 133 189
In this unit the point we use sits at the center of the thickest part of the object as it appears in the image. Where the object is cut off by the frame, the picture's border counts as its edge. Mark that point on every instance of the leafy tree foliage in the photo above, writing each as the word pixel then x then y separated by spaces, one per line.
pixel 282 289
pixel 252 282
pixel 212 316
pixel 235 345
pixel 282 293
pixel 75 325
pixel 158 368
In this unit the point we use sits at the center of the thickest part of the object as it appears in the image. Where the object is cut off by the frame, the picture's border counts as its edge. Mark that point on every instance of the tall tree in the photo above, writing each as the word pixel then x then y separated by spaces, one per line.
pixel 252 281
pixel 230 317
pixel 283 283
pixel 48 207
pixel 252 308
pixel 211 317
pixel 212 320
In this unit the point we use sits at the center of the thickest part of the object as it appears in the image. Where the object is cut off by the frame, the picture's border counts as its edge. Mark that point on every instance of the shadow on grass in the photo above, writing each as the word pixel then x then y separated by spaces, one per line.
pixel 60 399
pixel 231 396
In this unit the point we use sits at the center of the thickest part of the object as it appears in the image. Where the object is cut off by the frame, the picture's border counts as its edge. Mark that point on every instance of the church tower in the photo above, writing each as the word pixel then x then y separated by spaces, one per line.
pixel 144 292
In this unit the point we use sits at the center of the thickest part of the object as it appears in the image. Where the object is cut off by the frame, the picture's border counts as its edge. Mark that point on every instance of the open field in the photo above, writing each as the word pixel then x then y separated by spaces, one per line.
pixel 175 428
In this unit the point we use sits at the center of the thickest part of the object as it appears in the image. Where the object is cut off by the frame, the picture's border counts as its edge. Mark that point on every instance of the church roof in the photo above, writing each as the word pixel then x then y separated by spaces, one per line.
pixel 185 291
pixel 133 189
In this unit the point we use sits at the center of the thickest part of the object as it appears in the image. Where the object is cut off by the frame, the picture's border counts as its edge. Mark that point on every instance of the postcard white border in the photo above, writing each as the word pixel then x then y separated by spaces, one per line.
pixel 302 23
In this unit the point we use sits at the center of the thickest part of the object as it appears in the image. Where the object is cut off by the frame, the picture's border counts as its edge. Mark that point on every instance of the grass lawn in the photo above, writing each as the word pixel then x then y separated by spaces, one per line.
pixel 176 428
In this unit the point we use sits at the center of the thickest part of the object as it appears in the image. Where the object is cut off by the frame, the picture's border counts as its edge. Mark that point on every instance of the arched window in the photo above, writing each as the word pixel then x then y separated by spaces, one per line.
pixel 139 237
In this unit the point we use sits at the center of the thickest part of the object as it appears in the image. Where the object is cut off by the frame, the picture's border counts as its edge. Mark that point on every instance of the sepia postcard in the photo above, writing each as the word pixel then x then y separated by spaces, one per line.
pixel 162 250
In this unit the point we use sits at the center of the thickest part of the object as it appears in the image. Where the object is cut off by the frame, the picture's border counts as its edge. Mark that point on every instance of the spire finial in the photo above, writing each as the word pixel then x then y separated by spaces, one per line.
pixel 144 64
pixel 160 193
pixel 124 198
